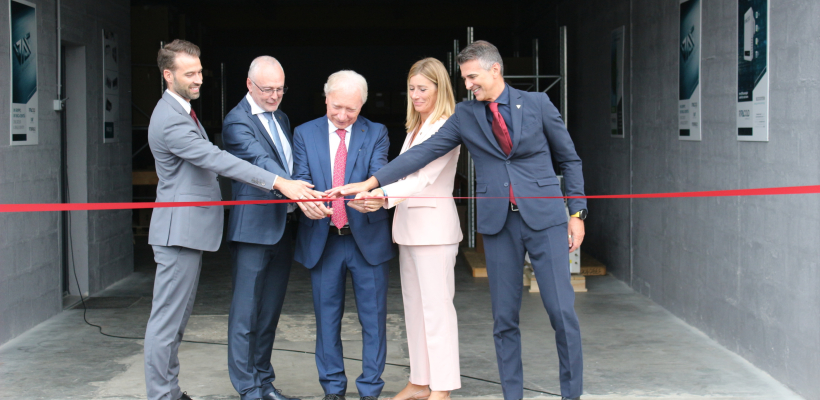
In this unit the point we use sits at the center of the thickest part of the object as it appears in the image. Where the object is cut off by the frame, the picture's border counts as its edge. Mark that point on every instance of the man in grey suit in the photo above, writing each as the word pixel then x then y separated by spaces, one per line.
pixel 187 166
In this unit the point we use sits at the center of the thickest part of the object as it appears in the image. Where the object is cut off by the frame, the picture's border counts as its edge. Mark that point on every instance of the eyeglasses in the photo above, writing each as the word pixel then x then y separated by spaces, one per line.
pixel 269 91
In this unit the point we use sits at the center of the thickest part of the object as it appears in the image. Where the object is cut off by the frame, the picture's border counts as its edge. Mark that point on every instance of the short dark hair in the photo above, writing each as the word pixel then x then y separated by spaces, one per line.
pixel 168 53
pixel 484 52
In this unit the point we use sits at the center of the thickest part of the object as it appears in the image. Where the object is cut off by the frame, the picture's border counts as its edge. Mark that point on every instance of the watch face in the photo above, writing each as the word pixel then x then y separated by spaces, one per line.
pixel 584 214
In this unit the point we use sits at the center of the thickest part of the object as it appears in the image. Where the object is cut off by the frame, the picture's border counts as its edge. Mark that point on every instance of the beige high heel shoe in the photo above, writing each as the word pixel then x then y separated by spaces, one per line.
pixel 414 396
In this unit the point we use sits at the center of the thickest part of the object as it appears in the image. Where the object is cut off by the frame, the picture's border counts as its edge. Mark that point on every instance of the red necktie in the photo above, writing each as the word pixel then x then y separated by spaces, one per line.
pixel 193 115
pixel 339 217
pixel 502 135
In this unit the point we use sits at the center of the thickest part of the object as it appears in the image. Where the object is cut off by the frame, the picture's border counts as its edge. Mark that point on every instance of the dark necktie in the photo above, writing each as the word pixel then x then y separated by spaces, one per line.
pixel 193 115
pixel 502 135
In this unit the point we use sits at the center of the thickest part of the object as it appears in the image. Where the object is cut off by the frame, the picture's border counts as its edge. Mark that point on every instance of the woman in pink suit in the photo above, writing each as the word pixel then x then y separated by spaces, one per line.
pixel 428 232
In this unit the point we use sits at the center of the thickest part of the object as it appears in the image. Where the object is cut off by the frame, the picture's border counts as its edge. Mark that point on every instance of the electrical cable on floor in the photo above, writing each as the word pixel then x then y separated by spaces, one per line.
pixel 100 328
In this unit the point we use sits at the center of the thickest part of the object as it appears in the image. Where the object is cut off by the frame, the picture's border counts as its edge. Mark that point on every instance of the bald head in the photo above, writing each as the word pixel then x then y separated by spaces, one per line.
pixel 266 81
pixel 263 62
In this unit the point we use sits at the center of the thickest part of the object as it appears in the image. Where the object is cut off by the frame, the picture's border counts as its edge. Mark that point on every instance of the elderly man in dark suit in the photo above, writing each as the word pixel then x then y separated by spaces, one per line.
pixel 336 148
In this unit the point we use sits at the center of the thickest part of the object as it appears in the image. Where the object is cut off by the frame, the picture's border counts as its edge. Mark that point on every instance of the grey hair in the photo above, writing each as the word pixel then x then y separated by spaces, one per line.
pixel 484 52
pixel 259 62
pixel 346 79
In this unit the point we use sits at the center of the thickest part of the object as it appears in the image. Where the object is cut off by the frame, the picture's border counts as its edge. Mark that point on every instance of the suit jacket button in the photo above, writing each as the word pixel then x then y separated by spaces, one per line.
pixel 508 162
pixel 506 184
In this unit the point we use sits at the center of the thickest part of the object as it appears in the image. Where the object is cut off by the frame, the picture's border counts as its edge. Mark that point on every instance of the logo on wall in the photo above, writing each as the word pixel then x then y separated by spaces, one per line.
pixel 22 49
pixel 687 45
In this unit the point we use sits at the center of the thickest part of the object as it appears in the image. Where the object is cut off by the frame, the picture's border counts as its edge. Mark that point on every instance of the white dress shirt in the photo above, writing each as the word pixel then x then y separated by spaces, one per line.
pixel 258 111
pixel 184 103
pixel 335 140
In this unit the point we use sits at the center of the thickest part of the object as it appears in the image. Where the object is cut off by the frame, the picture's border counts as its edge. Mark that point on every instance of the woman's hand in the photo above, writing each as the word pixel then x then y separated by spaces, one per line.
pixel 366 202
pixel 353 188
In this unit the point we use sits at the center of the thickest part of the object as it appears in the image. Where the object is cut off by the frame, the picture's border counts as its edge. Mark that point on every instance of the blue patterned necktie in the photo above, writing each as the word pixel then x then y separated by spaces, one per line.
pixel 277 141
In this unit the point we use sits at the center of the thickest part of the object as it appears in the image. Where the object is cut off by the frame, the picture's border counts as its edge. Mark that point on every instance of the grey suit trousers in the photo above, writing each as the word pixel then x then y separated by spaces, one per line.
pixel 174 293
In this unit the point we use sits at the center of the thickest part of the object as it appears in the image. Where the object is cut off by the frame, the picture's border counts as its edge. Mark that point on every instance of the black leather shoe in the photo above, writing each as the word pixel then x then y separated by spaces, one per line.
pixel 369 398
pixel 185 396
pixel 574 398
pixel 276 394
pixel 334 397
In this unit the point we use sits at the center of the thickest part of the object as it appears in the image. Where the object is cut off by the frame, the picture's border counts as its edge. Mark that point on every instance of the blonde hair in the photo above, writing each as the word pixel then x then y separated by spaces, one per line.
pixel 433 70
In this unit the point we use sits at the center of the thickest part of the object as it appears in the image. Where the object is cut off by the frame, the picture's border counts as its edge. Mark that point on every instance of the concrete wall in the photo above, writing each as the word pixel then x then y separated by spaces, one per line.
pixel 30 244
pixel 742 270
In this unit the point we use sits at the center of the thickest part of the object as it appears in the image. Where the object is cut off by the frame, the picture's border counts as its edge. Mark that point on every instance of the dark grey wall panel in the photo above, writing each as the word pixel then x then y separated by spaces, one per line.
pixel 30 250
pixel 742 270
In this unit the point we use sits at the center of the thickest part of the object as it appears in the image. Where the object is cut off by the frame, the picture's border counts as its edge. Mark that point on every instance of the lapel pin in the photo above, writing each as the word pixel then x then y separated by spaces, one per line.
pixel 518 105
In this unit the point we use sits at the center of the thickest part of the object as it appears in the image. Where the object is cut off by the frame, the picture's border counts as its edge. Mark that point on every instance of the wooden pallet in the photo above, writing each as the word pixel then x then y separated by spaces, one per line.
pixel 478 266
pixel 591 267
pixel 476 261
pixel 579 282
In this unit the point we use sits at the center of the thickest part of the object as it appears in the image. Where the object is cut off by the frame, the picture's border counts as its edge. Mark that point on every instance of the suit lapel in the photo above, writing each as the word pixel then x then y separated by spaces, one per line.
pixel 481 116
pixel 407 145
pixel 517 116
pixel 322 143
pixel 423 134
pixel 357 135
pixel 178 108
pixel 261 128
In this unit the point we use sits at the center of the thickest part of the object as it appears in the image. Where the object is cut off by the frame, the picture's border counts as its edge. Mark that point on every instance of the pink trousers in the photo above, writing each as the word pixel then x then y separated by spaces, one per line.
pixel 428 287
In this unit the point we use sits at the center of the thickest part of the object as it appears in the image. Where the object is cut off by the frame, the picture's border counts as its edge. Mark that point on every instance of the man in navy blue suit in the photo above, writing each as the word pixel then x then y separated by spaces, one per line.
pixel 260 237
pixel 330 151
pixel 513 137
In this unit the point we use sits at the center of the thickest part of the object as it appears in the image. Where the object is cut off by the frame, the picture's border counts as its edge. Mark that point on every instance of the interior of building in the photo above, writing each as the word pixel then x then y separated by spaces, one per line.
pixel 713 296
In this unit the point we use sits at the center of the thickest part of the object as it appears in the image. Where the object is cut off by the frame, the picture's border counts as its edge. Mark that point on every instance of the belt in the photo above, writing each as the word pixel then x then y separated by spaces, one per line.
pixel 513 207
pixel 343 231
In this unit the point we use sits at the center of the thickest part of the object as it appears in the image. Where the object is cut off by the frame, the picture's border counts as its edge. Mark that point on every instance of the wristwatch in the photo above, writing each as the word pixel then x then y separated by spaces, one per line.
pixel 582 214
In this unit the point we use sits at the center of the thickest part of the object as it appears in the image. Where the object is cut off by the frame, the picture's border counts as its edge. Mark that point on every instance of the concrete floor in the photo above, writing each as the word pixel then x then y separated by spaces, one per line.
pixel 633 348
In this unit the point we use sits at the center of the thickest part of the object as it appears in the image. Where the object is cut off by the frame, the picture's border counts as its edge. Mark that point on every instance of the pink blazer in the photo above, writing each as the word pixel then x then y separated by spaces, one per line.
pixel 419 222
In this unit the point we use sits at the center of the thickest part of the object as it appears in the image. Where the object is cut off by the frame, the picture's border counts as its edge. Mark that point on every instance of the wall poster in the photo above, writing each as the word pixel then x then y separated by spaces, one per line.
pixel 689 118
pixel 616 92
pixel 111 86
pixel 753 71
pixel 23 24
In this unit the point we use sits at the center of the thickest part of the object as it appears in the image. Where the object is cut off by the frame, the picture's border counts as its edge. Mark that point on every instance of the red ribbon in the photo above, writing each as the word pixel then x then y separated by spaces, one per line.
pixel 812 189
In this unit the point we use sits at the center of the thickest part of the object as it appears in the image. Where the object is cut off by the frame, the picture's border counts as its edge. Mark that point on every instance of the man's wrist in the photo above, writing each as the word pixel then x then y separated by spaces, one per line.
pixel 372 183
pixel 580 214
pixel 278 182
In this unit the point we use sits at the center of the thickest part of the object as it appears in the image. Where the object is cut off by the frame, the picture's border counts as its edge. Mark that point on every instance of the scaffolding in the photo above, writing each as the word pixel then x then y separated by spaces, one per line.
pixel 466 166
